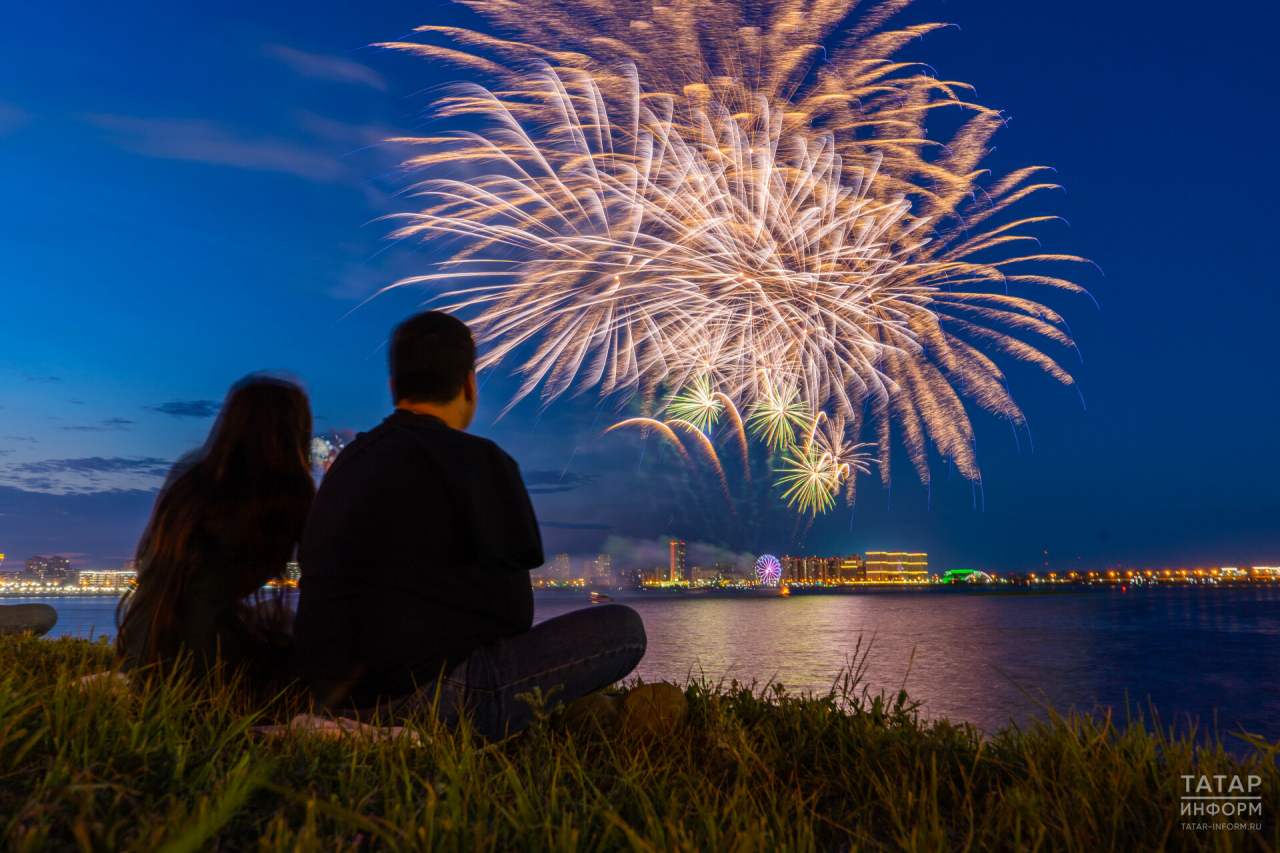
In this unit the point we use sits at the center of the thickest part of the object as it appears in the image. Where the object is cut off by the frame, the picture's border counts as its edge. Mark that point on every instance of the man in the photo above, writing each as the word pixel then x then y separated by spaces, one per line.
pixel 415 591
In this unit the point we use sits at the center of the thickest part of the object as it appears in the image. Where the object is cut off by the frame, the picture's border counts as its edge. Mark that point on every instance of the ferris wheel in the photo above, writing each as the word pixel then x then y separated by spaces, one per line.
pixel 768 570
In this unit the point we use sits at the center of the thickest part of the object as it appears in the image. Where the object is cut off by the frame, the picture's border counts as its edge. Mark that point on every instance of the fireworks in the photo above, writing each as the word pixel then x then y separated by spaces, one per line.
pixel 323 452
pixel 768 570
pixel 325 449
pixel 814 472
pixel 697 403
pixel 710 223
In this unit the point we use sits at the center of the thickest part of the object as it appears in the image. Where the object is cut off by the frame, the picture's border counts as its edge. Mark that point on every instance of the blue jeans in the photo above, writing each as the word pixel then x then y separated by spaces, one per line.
pixel 580 652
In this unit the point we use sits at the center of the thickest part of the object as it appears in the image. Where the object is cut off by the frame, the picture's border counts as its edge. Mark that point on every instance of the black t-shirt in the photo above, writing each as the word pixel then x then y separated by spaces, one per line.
pixel 417 551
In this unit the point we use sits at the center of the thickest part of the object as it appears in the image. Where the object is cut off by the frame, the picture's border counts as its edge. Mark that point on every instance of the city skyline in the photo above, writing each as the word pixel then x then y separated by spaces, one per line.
pixel 233 241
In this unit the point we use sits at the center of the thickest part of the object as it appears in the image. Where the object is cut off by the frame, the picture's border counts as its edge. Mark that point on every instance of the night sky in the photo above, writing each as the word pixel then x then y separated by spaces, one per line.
pixel 190 196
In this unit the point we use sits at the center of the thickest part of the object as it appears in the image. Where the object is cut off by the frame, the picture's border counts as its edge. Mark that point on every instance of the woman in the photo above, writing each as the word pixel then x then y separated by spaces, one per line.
pixel 225 525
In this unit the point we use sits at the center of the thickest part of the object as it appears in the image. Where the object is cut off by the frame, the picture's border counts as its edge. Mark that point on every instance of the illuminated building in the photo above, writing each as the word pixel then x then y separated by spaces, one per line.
pixel 896 567
pixel 48 568
pixel 852 569
pixel 811 569
pixel 559 569
pixel 292 572
pixel 702 574
pixel 677 561
pixel 966 576
pixel 604 569
pixel 107 579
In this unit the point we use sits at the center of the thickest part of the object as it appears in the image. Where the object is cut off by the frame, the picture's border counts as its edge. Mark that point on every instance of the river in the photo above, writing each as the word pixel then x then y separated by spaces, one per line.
pixel 1194 653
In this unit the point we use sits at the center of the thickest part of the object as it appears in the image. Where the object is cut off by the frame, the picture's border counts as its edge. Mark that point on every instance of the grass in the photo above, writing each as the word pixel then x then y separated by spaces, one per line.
pixel 175 767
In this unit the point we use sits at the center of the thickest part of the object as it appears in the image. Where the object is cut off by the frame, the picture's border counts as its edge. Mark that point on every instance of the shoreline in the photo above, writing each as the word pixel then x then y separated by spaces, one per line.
pixel 793 590
pixel 57 594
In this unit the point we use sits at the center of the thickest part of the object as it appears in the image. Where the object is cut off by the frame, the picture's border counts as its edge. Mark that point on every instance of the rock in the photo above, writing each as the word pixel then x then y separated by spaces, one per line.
pixel 37 619
pixel 596 713
pixel 654 707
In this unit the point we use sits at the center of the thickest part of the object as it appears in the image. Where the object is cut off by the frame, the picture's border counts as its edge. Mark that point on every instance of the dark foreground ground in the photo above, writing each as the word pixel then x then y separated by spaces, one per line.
pixel 176 767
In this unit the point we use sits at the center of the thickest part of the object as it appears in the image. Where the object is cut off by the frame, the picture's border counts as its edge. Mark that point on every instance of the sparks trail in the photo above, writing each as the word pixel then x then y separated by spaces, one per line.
pixel 785 248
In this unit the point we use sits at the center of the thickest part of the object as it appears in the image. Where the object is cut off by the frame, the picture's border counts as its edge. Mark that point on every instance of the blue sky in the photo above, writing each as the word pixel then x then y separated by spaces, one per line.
pixel 191 196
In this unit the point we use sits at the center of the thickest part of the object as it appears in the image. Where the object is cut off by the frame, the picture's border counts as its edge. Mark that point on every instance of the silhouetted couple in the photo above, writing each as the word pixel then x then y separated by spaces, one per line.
pixel 415 555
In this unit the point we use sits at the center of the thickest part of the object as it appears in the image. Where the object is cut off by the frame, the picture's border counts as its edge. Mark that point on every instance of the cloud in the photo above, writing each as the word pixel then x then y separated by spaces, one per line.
pixel 109 425
pixel 96 465
pixel 631 553
pixel 569 525
pixel 12 118
pixel 73 401
pixel 216 143
pixel 21 438
pixel 549 482
pixel 41 379
pixel 187 408
pixel 84 475
pixel 319 66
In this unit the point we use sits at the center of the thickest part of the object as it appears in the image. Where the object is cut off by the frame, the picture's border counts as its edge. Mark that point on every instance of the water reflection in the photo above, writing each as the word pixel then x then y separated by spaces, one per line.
pixel 1188 651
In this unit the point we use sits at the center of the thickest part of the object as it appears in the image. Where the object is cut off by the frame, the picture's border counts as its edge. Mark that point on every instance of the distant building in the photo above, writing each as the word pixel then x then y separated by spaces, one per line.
pixel 658 574
pixel 810 569
pixel 559 569
pixel 631 578
pixel 852 569
pixel 726 570
pixel 107 578
pixel 896 567
pixel 822 569
pixel 703 574
pixel 604 566
pixel 36 568
pixel 48 569
pixel 677 561
pixel 292 572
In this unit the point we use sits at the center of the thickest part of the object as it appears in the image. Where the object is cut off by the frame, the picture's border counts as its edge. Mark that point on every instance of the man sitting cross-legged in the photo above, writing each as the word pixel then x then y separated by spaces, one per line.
pixel 415 565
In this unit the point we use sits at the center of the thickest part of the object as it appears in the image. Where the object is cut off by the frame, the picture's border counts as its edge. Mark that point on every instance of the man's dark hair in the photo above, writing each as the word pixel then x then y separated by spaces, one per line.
pixel 431 355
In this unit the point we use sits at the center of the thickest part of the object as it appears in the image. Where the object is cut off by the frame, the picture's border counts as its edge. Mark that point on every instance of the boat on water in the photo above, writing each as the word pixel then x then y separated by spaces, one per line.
pixel 600 598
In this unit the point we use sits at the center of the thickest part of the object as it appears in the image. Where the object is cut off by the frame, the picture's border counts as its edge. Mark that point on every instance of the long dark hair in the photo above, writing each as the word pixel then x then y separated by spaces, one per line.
pixel 236 510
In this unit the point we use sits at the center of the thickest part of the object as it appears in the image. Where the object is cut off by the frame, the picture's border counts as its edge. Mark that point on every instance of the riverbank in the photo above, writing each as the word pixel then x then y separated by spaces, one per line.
pixel 56 592
pixel 175 768
pixel 1197 653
